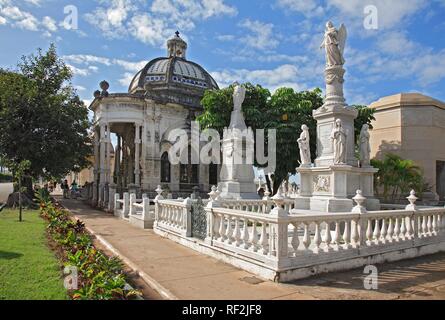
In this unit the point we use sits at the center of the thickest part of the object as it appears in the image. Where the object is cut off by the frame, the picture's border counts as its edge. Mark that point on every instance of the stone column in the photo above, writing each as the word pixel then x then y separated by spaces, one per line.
pixel 109 146
pixel 96 169
pixel 117 161
pixel 102 169
pixel 137 143
pixel 143 161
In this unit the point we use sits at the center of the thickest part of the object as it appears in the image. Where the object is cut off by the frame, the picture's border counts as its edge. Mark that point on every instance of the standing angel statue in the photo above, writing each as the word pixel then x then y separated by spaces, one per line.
pixel 334 43
pixel 339 138
pixel 304 145
pixel 365 147
pixel 239 94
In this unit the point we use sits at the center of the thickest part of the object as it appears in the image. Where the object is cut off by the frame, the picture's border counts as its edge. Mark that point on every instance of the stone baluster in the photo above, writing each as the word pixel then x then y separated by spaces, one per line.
pixel 434 224
pixel 263 239
pixel 369 231
pixel 187 219
pixel 158 198
pixel 317 237
pixel 306 237
pixel 424 227
pixel 295 239
pixel 397 229
pixel 229 232
pixel 347 235
pixel 246 234
pixel 402 228
pixel 336 237
pixel 237 232
pixel 376 233
pixel 414 222
pixel 390 229
pixel 254 236
pixel 116 204
pixel 327 237
pixel 358 238
pixel 126 205
pixel 132 202
pixel 384 231
pixel 222 228
pixel 429 225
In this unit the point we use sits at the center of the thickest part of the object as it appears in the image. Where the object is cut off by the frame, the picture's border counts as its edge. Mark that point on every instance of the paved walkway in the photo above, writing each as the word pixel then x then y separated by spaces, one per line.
pixel 188 274
pixel 5 190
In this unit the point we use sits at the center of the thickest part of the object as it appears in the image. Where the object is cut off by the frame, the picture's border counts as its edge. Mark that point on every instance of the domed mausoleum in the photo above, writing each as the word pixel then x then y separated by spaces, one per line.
pixel 165 95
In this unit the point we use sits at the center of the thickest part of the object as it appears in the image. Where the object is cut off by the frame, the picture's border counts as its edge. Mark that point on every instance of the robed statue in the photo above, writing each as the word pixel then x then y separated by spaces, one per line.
pixel 365 147
pixel 304 146
pixel 334 43
pixel 239 94
pixel 339 138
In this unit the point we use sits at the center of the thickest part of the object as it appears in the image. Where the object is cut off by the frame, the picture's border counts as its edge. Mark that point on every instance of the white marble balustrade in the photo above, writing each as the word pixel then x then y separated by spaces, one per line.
pixel 321 238
pixel 174 216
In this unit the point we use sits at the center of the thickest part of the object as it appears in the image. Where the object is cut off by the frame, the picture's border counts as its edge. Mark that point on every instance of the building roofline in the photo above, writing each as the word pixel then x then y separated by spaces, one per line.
pixel 406 100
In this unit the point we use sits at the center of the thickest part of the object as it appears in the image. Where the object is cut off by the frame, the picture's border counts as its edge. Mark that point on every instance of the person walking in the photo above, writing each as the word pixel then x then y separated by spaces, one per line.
pixel 66 189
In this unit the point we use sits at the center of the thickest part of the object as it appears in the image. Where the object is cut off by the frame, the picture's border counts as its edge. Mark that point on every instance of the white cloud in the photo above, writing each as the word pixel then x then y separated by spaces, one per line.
pixel 49 23
pixel 125 17
pixel 126 79
pixel 390 13
pixel 19 18
pixel 284 75
pixel 225 37
pixel 395 43
pixel 79 71
pixel 306 7
pixel 262 37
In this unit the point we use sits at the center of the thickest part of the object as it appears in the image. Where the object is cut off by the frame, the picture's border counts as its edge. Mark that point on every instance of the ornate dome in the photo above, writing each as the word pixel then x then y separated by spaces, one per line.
pixel 173 78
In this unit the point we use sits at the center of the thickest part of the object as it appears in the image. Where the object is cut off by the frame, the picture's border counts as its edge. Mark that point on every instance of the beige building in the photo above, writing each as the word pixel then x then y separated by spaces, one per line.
pixel 412 125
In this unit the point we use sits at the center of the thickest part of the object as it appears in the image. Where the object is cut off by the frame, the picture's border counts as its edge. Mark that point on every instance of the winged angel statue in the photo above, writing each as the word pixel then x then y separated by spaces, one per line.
pixel 334 43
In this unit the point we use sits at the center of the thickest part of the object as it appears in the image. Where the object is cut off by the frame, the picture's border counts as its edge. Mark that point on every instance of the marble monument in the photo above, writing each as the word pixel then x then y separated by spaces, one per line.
pixel 331 183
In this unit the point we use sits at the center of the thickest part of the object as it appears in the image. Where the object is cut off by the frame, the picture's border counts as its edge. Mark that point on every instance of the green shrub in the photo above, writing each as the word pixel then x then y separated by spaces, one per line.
pixel 100 277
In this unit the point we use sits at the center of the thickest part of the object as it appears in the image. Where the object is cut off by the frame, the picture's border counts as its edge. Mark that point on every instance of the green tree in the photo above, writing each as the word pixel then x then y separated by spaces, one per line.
pixel 397 176
pixel 42 119
pixel 286 111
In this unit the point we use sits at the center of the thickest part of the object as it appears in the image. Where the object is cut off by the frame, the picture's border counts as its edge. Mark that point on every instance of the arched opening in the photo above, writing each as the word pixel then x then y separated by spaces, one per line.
pixel 189 174
pixel 213 174
pixel 165 168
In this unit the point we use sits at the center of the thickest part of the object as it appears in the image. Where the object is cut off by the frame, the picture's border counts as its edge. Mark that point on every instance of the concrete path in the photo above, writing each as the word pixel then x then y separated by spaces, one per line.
pixel 5 190
pixel 187 274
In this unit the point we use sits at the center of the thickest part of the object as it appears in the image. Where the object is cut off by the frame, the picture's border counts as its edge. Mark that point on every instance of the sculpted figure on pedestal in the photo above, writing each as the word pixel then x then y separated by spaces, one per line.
pixel 339 138
pixel 304 145
pixel 239 94
pixel 365 147
pixel 334 44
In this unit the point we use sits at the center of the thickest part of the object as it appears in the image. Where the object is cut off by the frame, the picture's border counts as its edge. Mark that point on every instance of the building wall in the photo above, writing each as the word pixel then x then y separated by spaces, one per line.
pixel 412 126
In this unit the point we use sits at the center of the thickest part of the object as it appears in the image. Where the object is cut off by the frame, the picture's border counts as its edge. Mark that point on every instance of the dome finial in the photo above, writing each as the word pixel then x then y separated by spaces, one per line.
pixel 176 46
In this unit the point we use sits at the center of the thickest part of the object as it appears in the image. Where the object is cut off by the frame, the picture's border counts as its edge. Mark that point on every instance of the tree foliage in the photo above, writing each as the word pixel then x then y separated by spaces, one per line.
pixel 285 110
pixel 397 176
pixel 42 119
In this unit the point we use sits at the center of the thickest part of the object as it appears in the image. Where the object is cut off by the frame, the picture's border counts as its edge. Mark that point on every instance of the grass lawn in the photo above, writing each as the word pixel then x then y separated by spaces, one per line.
pixel 28 268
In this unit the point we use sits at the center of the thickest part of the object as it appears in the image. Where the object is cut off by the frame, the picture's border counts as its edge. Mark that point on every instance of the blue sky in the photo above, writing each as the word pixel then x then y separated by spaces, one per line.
pixel 271 42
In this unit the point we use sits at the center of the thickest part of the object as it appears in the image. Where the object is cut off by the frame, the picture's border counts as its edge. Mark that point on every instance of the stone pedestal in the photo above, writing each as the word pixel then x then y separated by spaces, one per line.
pixel 331 188
pixel 237 175
pixel 326 117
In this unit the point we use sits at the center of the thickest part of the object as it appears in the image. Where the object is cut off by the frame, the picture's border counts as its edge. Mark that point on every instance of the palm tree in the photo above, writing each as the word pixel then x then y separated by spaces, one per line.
pixel 397 176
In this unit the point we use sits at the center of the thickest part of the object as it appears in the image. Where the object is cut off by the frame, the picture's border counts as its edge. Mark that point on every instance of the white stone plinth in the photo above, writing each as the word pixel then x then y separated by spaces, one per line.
pixel 331 188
